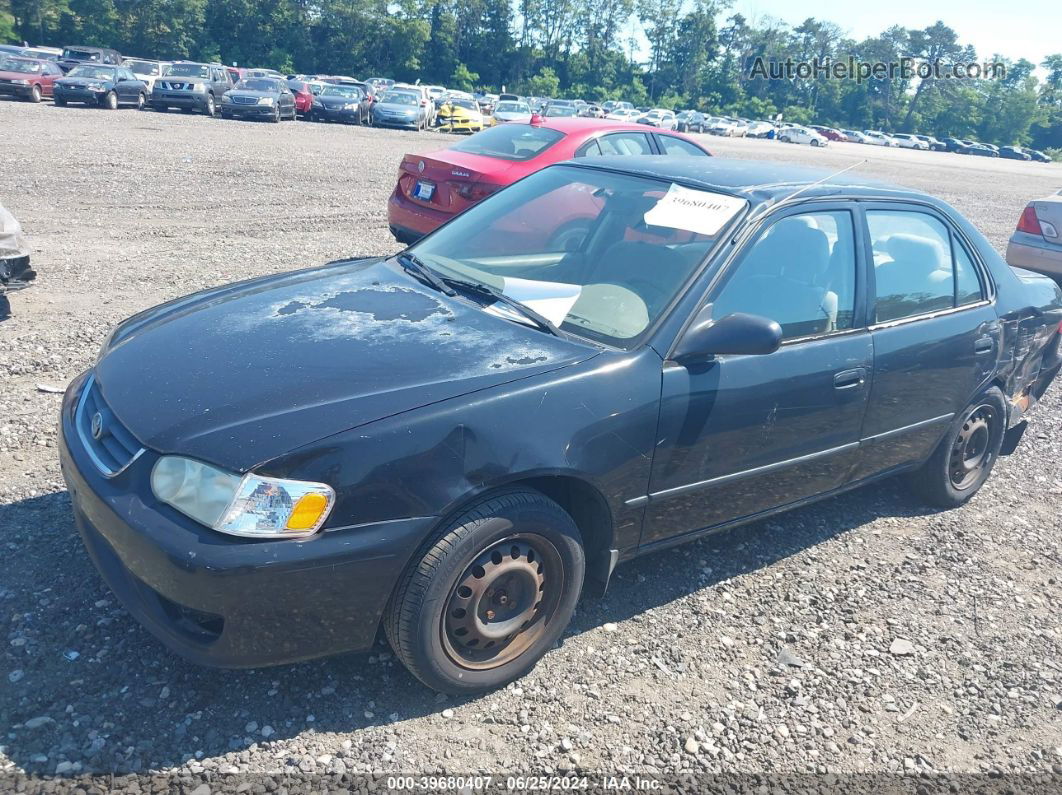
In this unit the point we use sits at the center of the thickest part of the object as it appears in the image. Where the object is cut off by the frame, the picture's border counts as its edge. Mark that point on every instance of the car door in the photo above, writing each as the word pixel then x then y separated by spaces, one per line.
pixel 935 331
pixel 127 86
pixel 740 435
pixel 51 73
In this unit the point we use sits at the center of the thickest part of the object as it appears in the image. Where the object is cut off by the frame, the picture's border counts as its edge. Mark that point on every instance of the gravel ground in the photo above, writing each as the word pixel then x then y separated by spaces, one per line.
pixel 863 634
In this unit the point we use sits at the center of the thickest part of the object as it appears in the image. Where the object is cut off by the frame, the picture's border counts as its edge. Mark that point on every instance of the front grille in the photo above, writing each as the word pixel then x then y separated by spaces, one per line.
pixel 245 100
pixel 174 85
pixel 111 447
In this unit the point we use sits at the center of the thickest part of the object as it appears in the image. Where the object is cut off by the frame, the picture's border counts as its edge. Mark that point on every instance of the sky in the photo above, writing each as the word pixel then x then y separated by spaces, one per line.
pixel 1030 29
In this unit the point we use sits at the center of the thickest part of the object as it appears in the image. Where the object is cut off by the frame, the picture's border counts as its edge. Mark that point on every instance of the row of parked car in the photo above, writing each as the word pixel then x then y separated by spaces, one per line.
pixel 818 135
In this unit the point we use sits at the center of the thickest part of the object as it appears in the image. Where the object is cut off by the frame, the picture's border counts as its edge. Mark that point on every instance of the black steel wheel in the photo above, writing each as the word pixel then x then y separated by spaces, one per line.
pixel 489 594
pixel 964 458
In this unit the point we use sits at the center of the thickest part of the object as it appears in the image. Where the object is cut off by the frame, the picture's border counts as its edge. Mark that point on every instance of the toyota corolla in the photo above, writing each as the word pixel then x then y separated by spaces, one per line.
pixel 447 442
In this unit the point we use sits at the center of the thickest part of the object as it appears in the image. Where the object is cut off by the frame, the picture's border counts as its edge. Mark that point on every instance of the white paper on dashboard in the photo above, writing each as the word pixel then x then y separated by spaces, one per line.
pixel 693 210
pixel 552 300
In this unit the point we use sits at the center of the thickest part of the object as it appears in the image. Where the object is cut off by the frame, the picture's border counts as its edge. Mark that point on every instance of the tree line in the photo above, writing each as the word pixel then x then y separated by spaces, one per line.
pixel 699 55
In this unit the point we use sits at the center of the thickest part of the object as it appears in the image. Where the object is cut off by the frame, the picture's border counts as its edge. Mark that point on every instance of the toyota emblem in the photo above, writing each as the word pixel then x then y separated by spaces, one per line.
pixel 420 166
pixel 97 426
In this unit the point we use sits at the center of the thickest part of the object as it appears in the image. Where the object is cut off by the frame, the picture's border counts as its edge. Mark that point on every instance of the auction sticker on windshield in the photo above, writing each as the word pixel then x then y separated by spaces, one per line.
pixel 693 210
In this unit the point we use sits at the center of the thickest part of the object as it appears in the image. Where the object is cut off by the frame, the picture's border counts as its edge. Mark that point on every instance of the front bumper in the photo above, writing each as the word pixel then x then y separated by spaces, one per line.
pixel 179 99
pixel 225 601
pixel 79 95
pixel 249 111
pixel 13 90
pixel 404 122
pixel 341 115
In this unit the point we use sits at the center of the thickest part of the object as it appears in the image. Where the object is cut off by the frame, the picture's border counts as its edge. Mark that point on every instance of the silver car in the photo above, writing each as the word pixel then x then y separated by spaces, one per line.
pixel 400 109
pixel 1037 242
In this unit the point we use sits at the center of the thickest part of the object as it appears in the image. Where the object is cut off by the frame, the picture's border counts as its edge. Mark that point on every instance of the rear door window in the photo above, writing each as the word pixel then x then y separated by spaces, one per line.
pixel 625 143
pixel 676 146
pixel 917 268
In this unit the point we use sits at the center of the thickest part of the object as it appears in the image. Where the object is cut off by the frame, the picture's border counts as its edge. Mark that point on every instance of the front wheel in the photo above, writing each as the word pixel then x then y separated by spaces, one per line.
pixel 141 100
pixel 35 94
pixel 110 101
pixel 965 456
pixel 275 118
pixel 814 142
pixel 211 108
pixel 491 596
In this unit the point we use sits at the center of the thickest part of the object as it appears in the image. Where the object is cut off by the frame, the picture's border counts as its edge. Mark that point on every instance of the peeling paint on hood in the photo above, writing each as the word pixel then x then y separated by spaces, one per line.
pixel 243 374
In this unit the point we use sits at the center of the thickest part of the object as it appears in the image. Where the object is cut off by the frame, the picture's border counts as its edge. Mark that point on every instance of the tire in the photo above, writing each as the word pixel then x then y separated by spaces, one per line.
pixel 275 118
pixel 35 94
pixel 110 101
pixel 965 456
pixel 784 139
pixel 141 101
pixel 211 108
pixel 516 553
pixel 814 142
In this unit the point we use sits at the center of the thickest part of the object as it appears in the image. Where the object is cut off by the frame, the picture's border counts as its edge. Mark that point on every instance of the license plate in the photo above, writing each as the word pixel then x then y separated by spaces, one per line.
pixel 424 191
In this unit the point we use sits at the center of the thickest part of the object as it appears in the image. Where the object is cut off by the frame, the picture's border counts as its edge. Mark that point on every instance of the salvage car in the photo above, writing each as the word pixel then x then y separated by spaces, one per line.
pixel 192 87
pixel 512 110
pixel 346 104
pixel 1037 241
pixel 79 54
pixel 104 86
pixel 30 79
pixel 266 98
pixel 434 187
pixel 15 272
pixel 446 443
pixel 399 108
pixel 461 115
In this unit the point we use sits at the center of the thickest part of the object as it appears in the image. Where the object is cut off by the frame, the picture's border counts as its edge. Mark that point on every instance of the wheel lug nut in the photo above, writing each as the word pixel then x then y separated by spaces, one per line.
pixel 490 615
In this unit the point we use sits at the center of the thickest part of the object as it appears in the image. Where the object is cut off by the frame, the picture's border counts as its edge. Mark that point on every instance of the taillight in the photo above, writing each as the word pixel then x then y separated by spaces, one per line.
pixel 476 191
pixel 1029 223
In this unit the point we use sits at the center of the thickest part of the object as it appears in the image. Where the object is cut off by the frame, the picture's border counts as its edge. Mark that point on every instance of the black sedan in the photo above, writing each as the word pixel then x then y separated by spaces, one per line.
pixel 259 98
pixel 447 441
pixel 342 103
pixel 691 121
pixel 105 86
pixel 1014 153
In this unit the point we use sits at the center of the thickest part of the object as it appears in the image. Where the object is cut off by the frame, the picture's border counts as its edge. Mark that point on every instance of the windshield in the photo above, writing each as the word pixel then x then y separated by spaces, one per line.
pixel 351 92
pixel 396 98
pixel 81 55
pixel 510 142
pixel 92 72
pixel 561 110
pixel 188 70
pixel 467 104
pixel 259 84
pixel 142 67
pixel 512 107
pixel 597 253
pixel 19 65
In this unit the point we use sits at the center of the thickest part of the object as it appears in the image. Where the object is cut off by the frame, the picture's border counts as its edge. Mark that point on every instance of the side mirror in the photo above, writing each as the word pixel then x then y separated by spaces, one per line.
pixel 738 333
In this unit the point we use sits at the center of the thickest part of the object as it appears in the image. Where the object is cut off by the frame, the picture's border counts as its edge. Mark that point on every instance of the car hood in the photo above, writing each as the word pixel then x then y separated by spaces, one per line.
pixel 83 81
pixel 242 374
pixel 242 92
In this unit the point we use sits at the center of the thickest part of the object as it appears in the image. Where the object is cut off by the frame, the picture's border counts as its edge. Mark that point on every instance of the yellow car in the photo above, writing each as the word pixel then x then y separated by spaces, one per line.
pixel 460 115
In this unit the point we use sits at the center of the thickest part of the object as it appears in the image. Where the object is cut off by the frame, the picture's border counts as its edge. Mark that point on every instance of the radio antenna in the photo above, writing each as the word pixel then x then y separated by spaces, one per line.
pixel 824 179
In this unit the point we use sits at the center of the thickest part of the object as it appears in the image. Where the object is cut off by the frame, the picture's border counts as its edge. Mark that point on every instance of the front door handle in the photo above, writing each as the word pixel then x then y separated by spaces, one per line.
pixel 983 345
pixel 849 379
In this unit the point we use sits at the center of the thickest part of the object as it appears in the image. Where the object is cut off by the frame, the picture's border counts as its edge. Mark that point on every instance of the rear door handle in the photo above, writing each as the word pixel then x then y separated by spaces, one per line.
pixel 849 379
pixel 983 345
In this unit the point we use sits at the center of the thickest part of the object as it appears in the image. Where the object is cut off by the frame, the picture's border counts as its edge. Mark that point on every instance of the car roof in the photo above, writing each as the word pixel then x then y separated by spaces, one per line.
pixel 759 181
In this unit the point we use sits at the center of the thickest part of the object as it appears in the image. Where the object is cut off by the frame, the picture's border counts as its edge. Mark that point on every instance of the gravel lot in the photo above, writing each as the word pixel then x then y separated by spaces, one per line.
pixel 865 633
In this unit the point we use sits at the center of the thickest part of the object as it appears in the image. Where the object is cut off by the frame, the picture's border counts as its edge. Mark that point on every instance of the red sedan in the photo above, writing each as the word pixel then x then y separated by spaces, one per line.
pixel 303 96
pixel 28 78
pixel 435 187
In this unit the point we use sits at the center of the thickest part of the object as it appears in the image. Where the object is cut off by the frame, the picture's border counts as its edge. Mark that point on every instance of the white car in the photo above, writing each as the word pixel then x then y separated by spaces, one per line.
pixel 795 134
pixel 908 141
pixel 877 138
pixel 658 117
pixel 623 114
pixel 759 129
pixel 718 126
pixel 855 137
pixel 146 70
pixel 507 110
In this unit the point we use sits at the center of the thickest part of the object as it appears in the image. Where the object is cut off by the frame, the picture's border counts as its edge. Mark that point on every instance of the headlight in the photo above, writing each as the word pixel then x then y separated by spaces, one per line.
pixel 225 98
pixel 265 100
pixel 248 505
pixel 199 87
pixel 351 106
pixel 20 82
pixel 95 86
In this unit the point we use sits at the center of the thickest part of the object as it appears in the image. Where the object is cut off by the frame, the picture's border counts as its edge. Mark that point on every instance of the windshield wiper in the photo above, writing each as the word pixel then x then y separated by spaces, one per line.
pixel 486 291
pixel 413 264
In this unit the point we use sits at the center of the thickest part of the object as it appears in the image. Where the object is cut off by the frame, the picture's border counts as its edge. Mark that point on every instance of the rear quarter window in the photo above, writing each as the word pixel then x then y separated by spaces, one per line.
pixel 510 142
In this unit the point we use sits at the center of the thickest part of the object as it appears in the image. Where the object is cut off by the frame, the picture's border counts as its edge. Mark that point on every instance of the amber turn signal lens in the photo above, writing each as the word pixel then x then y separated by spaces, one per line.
pixel 307 512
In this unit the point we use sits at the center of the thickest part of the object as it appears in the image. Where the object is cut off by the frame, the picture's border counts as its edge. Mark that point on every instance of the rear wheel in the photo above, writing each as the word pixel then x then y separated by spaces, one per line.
pixel 35 94
pixel 490 596
pixel 965 456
